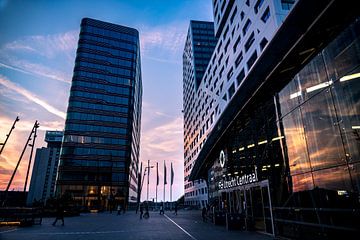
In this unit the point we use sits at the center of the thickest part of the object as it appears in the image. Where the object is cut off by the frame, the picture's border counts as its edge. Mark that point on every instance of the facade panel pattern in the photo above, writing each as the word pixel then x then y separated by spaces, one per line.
pixel 100 150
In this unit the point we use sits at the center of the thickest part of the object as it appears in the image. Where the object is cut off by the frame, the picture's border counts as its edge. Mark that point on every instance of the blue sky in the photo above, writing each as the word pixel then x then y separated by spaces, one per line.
pixel 38 41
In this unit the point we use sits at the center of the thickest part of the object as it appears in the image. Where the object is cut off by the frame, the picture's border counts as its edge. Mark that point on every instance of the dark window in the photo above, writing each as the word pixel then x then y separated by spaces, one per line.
pixel 231 90
pixel 230 73
pixel 233 15
pixel 240 77
pixel 252 60
pixel 250 41
pixel 242 15
pixel 258 6
pixel 263 43
pixel 248 2
pixel 266 15
pixel 239 59
pixel 236 43
pixel 287 4
pixel 246 27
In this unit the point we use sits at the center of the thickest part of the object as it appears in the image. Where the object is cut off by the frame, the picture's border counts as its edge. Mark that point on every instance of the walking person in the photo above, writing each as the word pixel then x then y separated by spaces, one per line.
pixel 59 213
pixel 203 214
pixel 175 209
pixel 146 214
pixel 141 210
pixel 162 208
pixel 118 209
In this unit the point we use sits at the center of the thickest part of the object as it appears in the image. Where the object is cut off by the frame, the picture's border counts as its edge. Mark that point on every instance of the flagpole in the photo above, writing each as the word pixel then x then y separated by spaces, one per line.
pixel 164 180
pixel 157 179
pixel 171 182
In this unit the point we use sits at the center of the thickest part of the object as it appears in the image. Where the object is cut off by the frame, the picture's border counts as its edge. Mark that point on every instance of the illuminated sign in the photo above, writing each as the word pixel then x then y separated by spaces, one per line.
pixel 222 158
pixel 237 181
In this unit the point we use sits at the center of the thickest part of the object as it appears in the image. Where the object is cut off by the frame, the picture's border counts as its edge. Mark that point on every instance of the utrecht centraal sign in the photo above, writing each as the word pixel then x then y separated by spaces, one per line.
pixel 236 181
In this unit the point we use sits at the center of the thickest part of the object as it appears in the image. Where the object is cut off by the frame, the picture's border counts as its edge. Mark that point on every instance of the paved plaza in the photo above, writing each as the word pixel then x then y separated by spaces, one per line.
pixel 185 225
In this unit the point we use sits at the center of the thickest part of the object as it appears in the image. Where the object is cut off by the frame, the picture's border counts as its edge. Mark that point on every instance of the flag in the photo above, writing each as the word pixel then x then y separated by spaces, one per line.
pixel 157 174
pixel 172 175
pixel 165 174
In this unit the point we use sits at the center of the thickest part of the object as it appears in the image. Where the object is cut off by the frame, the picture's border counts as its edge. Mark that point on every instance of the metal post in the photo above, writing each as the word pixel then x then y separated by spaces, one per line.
pixel 8 135
pixel 157 179
pixel 148 176
pixel 31 153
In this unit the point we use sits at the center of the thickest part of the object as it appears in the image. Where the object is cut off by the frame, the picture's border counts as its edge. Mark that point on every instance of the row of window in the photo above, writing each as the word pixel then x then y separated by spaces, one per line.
pixel 95 117
pixel 91 151
pixel 112 60
pixel 91 163
pixel 99 140
pixel 114 43
pixel 109 33
pixel 107 88
pixel 109 69
pixel 92 128
pixel 106 50
pixel 102 77
pixel 98 106
pixel 104 97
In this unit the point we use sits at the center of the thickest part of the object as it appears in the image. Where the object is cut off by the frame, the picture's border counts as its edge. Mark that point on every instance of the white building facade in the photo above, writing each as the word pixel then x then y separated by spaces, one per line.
pixel 243 29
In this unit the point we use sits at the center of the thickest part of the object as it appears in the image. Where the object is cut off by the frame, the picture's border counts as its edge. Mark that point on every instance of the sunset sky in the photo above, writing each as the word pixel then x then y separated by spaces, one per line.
pixel 38 41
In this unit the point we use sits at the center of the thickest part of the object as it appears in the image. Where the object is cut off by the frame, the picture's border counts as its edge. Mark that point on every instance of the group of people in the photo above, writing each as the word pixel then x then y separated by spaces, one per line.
pixel 146 207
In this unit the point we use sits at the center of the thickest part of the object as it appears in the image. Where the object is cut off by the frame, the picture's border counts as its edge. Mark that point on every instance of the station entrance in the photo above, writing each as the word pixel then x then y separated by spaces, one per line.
pixel 252 202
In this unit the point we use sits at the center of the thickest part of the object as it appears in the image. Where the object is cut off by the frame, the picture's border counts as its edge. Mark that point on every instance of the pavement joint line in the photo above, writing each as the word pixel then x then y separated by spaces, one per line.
pixel 81 233
pixel 192 237
pixel 11 230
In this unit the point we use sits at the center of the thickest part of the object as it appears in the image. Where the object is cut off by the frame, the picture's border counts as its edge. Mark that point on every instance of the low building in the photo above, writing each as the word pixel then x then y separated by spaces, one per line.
pixel 42 184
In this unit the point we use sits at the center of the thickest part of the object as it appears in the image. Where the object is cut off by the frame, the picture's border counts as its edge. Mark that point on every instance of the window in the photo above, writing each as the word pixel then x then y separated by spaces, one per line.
pixel 266 15
pixel 242 15
pixel 246 27
pixel 248 2
pixel 251 60
pixel 258 6
pixel 230 73
pixel 240 77
pixel 231 90
pixel 287 4
pixel 239 59
pixel 263 43
pixel 233 15
pixel 236 43
pixel 249 42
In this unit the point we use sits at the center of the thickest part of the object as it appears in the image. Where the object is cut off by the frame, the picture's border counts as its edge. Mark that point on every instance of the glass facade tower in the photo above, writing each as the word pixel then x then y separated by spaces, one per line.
pixel 199 46
pixel 100 149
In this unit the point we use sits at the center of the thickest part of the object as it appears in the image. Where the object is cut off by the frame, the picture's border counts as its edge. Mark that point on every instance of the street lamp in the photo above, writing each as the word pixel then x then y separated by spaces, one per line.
pixel 148 176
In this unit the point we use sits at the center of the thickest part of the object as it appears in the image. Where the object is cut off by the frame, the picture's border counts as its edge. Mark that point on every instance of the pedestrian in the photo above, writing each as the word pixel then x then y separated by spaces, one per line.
pixel 141 210
pixel 146 214
pixel 59 213
pixel 175 209
pixel 118 209
pixel 203 214
pixel 162 208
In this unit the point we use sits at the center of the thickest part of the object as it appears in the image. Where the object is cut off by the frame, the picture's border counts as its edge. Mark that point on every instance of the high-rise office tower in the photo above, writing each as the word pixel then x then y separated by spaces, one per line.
pixel 243 29
pixel 42 184
pixel 100 150
pixel 199 46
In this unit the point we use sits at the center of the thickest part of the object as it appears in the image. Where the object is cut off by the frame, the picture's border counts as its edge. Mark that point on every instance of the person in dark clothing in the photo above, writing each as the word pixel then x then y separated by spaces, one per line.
pixel 146 214
pixel 59 214
pixel 141 211
pixel 162 208
pixel 203 214
pixel 175 209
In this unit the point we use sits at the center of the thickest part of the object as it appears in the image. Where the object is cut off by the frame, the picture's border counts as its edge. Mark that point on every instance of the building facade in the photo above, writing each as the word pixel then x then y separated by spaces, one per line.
pixel 42 184
pixel 199 46
pixel 284 155
pixel 100 150
pixel 242 30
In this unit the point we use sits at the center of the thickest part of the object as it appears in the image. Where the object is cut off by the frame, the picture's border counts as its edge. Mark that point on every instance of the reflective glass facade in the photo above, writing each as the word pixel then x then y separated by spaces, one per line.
pixel 290 164
pixel 100 149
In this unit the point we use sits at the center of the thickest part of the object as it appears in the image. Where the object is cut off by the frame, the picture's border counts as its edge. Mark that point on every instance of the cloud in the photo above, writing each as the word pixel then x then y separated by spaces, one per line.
pixel 31 97
pixel 36 69
pixel 169 39
pixel 46 45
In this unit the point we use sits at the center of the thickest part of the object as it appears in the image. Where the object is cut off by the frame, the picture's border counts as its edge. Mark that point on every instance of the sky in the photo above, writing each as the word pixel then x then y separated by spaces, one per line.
pixel 38 41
